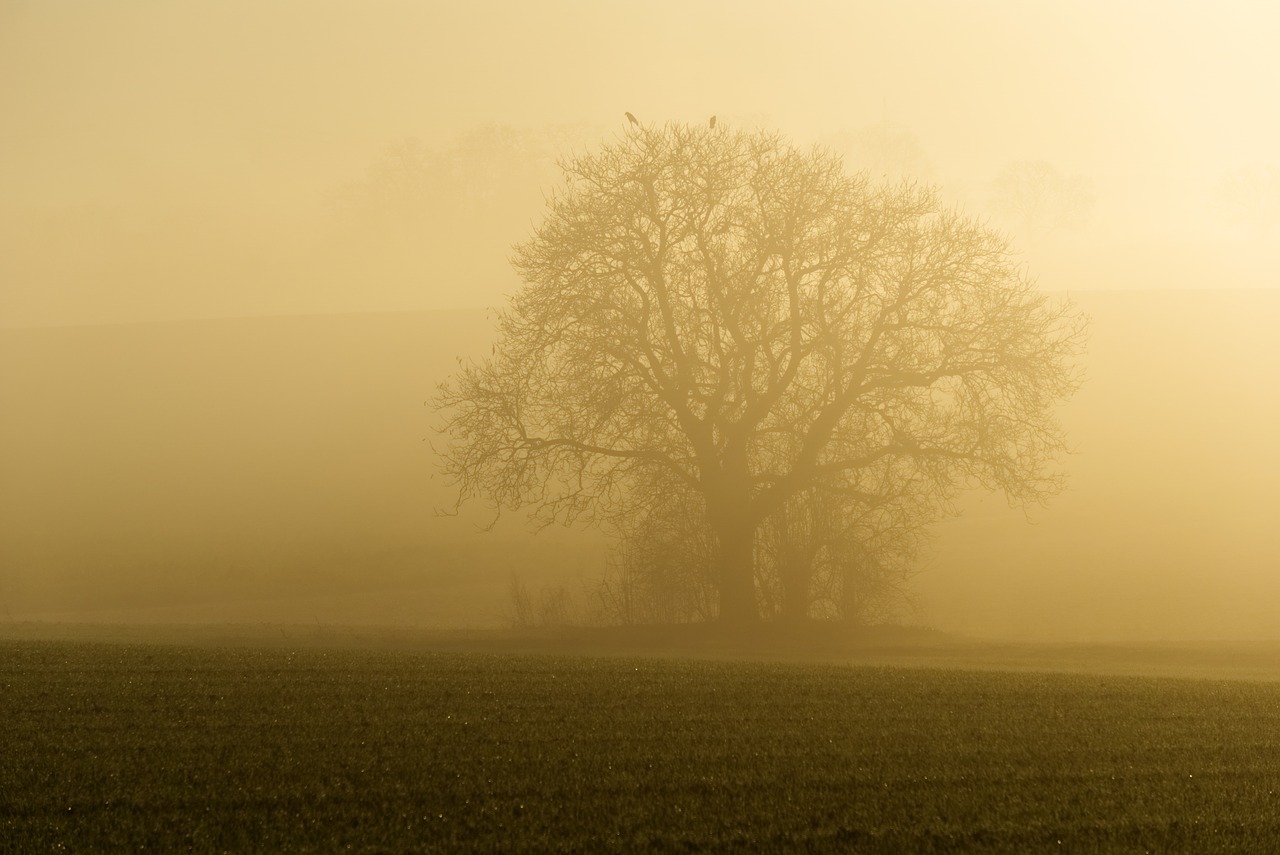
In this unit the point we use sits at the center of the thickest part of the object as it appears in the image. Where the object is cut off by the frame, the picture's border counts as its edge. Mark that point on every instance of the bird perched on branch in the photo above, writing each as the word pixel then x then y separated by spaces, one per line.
pixel 631 118
pixel 712 123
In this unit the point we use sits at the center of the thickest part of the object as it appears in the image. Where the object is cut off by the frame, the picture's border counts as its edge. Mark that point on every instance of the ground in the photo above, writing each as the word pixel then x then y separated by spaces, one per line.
pixel 318 739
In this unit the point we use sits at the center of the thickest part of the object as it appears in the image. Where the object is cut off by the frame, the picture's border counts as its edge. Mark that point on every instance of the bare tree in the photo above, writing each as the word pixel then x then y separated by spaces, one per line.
pixel 725 312
pixel 1038 199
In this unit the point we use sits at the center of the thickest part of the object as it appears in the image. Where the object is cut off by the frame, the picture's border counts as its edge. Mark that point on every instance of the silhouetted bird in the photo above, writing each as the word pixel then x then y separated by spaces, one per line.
pixel 631 119
pixel 712 123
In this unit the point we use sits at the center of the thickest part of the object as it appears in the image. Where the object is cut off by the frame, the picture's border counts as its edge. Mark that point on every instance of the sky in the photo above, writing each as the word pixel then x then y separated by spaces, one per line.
pixel 166 160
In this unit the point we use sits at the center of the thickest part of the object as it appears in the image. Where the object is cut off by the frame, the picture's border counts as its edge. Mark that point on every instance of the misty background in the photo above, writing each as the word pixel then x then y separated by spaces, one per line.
pixel 240 244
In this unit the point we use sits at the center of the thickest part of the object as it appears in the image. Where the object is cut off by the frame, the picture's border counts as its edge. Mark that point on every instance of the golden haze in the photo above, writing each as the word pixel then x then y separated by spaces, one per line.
pixel 167 164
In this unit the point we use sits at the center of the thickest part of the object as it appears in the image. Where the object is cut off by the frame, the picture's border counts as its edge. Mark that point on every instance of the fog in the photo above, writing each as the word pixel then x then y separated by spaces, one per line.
pixel 241 243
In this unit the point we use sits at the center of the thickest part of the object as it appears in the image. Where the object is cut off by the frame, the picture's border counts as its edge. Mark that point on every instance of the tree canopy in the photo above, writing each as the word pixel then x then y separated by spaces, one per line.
pixel 729 319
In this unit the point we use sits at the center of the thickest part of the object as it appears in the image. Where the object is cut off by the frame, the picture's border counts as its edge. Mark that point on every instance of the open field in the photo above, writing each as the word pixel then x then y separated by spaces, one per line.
pixel 297 747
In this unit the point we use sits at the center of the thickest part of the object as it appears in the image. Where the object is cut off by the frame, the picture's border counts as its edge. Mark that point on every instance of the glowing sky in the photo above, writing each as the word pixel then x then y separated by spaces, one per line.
pixel 241 117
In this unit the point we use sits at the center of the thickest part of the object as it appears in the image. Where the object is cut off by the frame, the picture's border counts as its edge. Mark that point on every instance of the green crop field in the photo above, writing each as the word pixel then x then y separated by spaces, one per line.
pixel 130 747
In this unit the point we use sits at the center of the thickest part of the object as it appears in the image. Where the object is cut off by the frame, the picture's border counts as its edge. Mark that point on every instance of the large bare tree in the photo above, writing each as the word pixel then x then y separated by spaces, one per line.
pixel 743 320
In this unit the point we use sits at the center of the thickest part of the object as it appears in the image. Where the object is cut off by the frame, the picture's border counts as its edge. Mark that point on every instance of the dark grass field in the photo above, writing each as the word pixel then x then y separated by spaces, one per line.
pixel 129 747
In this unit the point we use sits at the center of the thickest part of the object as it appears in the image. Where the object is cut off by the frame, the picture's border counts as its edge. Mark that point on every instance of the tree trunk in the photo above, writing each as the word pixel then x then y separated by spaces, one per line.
pixel 795 588
pixel 737 581
pixel 850 595
pixel 795 565
pixel 729 512
pixel 736 576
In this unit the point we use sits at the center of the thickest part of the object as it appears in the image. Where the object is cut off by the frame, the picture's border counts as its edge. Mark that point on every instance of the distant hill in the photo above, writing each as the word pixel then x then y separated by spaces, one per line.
pixel 281 468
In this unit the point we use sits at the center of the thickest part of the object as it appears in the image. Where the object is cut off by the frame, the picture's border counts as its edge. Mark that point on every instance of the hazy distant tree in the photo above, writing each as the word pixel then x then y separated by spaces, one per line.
pixel 723 311
pixel 491 176
pixel 1038 199
pixel 554 605
pixel 1250 196
pixel 443 215
pixel 398 187
pixel 886 151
